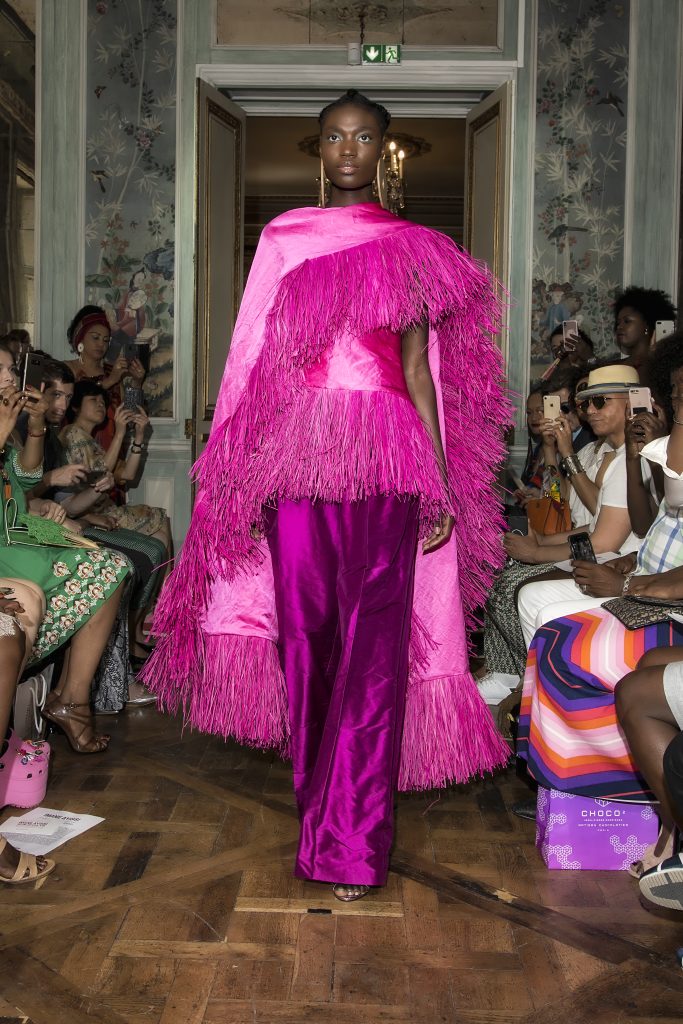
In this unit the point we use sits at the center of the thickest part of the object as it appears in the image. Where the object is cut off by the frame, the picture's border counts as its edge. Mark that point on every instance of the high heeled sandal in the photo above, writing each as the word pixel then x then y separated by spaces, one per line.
pixel 68 718
pixel 363 890
pixel 27 869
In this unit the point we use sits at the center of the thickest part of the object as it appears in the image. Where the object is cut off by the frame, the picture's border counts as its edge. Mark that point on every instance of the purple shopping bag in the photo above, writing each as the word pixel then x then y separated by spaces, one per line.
pixel 585 833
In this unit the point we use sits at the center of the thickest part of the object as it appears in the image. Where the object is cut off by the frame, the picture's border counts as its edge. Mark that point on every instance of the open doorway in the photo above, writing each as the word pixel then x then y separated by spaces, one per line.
pixel 254 163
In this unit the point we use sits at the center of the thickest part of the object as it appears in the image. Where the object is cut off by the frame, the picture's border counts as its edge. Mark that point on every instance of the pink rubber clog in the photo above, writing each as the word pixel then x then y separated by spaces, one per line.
pixel 23 773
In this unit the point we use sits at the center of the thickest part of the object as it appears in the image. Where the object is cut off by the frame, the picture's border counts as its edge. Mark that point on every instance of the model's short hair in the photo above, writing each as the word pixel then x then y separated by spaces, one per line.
pixel 353 98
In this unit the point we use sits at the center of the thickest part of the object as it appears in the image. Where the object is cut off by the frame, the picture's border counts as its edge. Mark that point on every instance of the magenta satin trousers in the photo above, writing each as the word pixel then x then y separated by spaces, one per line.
pixel 344 592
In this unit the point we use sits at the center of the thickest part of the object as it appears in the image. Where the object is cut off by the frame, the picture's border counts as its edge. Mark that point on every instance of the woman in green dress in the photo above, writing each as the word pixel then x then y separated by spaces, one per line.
pixel 82 586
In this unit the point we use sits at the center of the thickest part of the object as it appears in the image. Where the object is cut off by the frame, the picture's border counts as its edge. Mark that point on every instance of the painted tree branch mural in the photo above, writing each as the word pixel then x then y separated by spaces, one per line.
pixel 130 197
pixel 580 167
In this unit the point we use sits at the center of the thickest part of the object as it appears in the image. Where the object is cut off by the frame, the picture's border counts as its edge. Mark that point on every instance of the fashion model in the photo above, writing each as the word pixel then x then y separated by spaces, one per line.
pixel 346 525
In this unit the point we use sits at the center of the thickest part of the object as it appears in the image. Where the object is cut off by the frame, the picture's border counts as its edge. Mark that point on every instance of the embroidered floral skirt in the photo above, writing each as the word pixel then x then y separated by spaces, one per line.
pixel 75 581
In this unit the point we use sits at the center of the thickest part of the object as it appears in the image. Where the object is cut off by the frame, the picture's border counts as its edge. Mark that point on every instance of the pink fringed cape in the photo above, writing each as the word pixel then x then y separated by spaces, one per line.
pixel 316 273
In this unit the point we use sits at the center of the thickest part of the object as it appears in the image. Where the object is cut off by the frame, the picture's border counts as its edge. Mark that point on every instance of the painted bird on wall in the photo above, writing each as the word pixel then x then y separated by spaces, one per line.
pixel 99 177
pixel 561 230
pixel 612 101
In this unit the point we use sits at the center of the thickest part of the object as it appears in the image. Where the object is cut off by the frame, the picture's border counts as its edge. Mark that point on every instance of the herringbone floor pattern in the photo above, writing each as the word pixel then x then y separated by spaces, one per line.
pixel 181 909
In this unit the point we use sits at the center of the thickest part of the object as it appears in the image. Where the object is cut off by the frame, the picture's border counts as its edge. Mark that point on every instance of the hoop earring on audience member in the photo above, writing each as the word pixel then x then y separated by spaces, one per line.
pixel 379 185
pixel 324 194
pixel 80 347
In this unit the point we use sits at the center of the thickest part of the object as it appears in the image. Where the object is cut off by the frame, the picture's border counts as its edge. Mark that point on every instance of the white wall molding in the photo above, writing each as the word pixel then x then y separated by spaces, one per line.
pixel 436 74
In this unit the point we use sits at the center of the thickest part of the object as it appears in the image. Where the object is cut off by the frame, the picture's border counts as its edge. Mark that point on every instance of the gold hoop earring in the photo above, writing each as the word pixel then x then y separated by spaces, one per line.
pixel 324 193
pixel 380 184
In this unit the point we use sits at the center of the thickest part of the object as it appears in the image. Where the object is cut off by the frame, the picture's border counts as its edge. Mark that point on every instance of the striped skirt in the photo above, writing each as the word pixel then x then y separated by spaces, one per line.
pixel 568 729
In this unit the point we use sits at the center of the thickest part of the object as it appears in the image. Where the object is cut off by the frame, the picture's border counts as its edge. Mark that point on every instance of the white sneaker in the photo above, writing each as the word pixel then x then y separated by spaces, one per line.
pixel 496 686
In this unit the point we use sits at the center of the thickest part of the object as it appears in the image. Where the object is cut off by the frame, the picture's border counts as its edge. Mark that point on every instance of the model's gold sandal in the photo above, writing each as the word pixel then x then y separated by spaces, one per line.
pixel 29 869
pixel 78 726
pixel 349 893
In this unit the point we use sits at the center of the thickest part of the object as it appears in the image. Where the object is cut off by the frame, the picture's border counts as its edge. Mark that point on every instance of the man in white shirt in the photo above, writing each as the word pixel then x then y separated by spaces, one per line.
pixel 604 401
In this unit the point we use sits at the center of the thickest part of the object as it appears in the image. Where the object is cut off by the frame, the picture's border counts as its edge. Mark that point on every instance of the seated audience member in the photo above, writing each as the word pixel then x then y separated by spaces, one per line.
pixel 23 764
pixel 89 334
pixel 88 408
pixel 636 312
pixel 82 587
pixel 532 474
pixel 67 483
pixel 597 502
pixel 649 705
pixel 605 401
pixel 568 731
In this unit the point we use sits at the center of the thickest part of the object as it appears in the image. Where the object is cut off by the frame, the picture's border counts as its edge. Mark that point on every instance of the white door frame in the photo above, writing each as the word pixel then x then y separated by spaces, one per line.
pixel 414 88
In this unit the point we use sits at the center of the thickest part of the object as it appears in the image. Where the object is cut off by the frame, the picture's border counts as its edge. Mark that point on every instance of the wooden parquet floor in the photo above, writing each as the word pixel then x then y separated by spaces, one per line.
pixel 180 909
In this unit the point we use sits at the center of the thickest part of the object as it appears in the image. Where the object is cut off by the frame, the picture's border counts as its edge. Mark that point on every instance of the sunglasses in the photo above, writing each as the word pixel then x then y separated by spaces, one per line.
pixel 598 402
pixel 566 407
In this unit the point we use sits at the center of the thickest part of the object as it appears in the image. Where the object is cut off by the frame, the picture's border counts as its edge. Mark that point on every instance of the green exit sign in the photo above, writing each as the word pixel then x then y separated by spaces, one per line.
pixel 381 53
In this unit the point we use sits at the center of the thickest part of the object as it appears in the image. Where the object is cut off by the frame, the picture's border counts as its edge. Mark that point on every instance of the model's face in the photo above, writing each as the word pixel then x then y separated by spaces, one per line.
pixel 631 329
pixel 534 413
pixel 93 409
pixel 350 146
pixel 59 397
pixel 96 342
pixel 9 375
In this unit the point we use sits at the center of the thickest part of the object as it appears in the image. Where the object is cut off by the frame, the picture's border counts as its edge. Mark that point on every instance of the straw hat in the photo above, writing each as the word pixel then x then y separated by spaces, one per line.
pixel 610 380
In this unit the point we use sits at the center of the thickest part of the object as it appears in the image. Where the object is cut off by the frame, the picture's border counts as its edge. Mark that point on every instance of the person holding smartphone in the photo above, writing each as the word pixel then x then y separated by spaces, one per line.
pixel 89 334
pixel 636 312
pixel 82 587
pixel 605 401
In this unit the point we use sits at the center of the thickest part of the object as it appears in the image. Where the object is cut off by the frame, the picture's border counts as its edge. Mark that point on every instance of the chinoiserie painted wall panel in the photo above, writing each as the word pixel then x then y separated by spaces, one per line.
pixel 580 168
pixel 130 178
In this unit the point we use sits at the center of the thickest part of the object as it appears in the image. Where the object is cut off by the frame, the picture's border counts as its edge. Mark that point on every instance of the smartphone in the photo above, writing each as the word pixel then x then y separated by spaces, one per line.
pixel 142 352
pixel 94 475
pixel 639 400
pixel 570 328
pixel 113 352
pixel 551 407
pixel 33 371
pixel 663 328
pixel 581 547
pixel 132 398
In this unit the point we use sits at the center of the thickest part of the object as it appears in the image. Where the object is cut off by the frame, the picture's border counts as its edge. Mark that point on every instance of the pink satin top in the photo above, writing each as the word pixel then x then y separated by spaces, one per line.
pixel 370 363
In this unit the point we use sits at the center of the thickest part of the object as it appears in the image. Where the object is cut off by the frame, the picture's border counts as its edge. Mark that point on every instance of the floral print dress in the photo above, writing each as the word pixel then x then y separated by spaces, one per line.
pixel 75 581
pixel 83 450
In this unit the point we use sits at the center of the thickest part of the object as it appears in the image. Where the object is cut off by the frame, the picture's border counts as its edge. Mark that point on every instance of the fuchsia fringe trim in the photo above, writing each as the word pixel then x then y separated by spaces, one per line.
pixel 242 695
pixel 333 444
pixel 448 734
pixel 238 689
